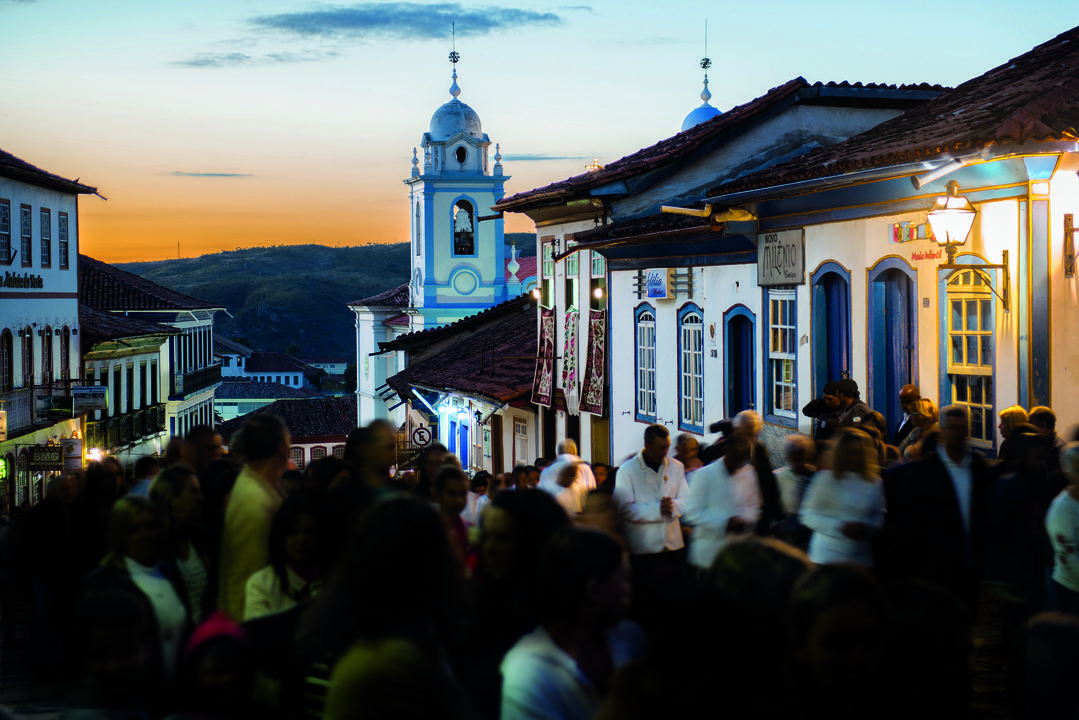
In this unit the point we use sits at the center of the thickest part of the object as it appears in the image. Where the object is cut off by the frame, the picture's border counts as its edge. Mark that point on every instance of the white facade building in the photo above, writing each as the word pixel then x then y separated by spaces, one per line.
pixel 39 323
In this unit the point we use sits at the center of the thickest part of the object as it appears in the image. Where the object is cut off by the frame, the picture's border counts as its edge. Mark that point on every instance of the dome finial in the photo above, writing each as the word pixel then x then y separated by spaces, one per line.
pixel 455 57
pixel 705 111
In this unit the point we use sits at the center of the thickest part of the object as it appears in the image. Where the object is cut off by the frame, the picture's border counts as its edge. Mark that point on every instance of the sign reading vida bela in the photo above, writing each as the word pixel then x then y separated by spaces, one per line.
pixel 781 258
pixel 656 283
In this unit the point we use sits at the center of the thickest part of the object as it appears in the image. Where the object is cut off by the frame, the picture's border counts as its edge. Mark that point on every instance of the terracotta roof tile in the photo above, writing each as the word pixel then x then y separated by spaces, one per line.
pixel 527 267
pixel 105 287
pixel 250 390
pixel 276 362
pixel 394 297
pixel 314 417
pixel 422 338
pixel 1031 98
pixel 97 325
pixel 496 362
pixel 647 225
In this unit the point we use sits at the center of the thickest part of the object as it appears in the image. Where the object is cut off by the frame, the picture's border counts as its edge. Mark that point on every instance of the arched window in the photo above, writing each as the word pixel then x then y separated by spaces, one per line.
pixel 317 453
pixel 65 353
pixel 691 368
pixel 464 226
pixel 296 456
pixel 7 361
pixel 645 334
pixel 28 357
pixel 339 452
pixel 46 356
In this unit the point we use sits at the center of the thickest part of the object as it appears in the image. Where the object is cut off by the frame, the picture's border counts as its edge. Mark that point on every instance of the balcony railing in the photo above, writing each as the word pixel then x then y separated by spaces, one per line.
pixel 186 383
pixel 112 433
pixel 37 406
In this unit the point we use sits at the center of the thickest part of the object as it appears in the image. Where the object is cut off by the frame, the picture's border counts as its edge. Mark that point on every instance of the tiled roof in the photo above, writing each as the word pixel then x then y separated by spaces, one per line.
pixel 18 169
pixel 497 362
pixel 397 320
pixel 264 362
pixel 1031 98
pixel 688 142
pixel 96 325
pixel 395 297
pixel 527 267
pixel 222 345
pixel 648 225
pixel 423 338
pixel 105 287
pixel 315 417
pixel 249 390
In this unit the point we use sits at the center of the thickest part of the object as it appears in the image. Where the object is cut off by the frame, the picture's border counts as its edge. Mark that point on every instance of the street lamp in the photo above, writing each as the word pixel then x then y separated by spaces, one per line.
pixel 951 219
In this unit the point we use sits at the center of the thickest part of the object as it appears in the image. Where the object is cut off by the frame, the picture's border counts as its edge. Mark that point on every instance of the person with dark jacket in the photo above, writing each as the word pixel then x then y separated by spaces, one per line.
pixel 937 508
pixel 824 411
pixel 852 410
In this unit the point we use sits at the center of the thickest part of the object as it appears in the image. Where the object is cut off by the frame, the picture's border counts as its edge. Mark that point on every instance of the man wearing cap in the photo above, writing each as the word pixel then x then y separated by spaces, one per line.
pixel 852 410
pixel 907 395
pixel 824 411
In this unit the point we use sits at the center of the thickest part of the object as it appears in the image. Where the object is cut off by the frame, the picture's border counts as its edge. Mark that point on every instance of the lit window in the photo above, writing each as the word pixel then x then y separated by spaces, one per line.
pixel 599 265
pixel 782 345
pixel 691 368
pixel 317 453
pixel 971 351
pixel 572 261
pixel 646 362
pixel 296 456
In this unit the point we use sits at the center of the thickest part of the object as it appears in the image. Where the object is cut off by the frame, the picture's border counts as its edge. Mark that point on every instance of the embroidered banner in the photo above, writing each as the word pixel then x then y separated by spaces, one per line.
pixel 543 383
pixel 592 389
pixel 569 363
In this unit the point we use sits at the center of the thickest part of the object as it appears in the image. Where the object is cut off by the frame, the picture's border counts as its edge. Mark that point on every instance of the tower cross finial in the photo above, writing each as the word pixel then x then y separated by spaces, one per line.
pixel 454 55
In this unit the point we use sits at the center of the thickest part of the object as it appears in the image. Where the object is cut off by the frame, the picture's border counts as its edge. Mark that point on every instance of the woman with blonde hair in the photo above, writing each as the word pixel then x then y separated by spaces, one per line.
pixel 926 418
pixel 844 506
pixel 1010 418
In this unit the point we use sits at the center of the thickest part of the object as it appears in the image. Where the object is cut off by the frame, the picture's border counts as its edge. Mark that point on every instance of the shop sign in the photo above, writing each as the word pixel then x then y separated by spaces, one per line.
pixel 72 453
pixel 781 258
pixel 45 458
pixel 26 281
pixel 657 284
pixel 90 397
pixel 3 425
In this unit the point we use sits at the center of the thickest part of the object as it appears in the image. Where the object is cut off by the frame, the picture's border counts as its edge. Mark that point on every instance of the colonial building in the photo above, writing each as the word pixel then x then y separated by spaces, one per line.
pixel 317 427
pixel 276 367
pixel 234 398
pixel 39 326
pixel 187 371
pixel 604 225
pixel 232 356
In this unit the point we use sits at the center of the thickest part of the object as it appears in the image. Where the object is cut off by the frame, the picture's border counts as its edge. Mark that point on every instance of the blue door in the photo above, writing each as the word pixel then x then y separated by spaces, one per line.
pixel 831 329
pixel 463 454
pixel 741 380
pixel 892 334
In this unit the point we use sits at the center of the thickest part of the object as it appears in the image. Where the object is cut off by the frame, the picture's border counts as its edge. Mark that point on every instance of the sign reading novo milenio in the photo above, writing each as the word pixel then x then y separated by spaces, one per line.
pixel 781 258
pixel 26 281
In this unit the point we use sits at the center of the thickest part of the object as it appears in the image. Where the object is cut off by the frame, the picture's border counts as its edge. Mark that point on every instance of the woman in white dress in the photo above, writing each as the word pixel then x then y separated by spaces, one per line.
pixel 844 506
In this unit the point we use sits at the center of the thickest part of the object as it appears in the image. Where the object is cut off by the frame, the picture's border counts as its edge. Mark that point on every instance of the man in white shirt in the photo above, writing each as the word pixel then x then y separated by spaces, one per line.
pixel 651 493
pixel 567 454
pixel 724 502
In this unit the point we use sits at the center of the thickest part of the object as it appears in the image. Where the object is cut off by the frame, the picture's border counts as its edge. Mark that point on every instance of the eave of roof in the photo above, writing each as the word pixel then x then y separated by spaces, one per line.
pixel 18 169
pixel 394 297
pixel 99 325
pixel 689 142
pixel 422 338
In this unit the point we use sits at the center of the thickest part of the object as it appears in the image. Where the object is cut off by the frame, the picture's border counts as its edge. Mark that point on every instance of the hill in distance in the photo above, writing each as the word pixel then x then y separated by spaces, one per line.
pixel 293 294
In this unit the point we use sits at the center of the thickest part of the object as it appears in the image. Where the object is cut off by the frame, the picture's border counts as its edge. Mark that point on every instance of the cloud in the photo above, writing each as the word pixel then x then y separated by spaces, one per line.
pixel 537 157
pixel 203 60
pixel 234 59
pixel 405 20
pixel 576 8
pixel 181 173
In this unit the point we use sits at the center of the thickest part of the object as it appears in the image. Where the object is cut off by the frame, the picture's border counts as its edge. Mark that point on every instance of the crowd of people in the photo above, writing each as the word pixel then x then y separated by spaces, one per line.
pixel 206 584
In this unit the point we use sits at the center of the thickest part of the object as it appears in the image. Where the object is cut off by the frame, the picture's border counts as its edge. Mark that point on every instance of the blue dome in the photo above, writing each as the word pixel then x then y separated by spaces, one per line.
pixel 698 115
pixel 455 117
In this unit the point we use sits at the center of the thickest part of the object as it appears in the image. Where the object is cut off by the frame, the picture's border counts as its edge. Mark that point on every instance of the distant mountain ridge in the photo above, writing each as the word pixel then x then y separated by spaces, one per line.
pixel 289 294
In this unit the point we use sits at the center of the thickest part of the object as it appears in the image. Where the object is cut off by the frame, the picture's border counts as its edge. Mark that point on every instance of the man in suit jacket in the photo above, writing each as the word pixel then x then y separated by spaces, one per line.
pixel 907 395
pixel 936 512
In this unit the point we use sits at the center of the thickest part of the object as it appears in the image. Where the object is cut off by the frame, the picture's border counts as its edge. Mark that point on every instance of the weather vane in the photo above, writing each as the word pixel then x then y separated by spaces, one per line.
pixel 455 56
pixel 706 62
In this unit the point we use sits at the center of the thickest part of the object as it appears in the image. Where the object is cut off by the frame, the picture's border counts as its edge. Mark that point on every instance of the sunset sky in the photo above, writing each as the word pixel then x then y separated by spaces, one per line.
pixel 220 124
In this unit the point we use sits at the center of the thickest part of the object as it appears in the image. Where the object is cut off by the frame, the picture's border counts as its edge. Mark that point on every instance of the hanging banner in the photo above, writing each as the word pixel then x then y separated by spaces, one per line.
pixel 592 388
pixel 543 383
pixel 569 363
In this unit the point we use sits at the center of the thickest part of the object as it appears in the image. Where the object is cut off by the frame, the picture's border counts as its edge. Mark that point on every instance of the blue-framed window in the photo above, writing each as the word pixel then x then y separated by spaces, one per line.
pixel 781 347
pixel 644 334
pixel 970 348
pixel 691 368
